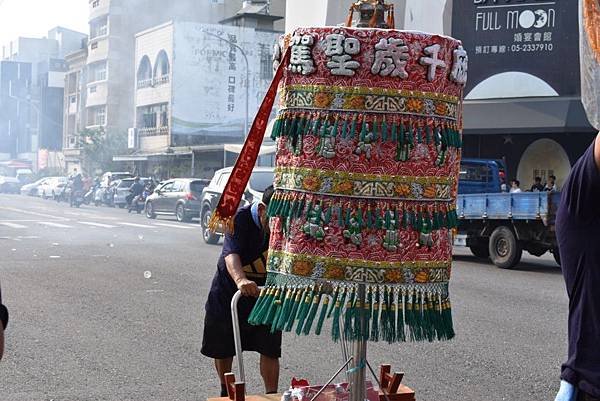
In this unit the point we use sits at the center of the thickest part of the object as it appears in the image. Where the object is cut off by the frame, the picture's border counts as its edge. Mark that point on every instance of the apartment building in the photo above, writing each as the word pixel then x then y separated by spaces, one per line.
pixel 42 97
pixel 110 64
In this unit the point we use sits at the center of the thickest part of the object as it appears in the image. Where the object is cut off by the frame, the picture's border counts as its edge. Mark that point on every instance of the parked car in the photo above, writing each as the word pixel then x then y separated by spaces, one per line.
pixel 121 190
pixel 52 187
pixel 32 189
pixel 179 197
pixel 260 179
pixel 9 185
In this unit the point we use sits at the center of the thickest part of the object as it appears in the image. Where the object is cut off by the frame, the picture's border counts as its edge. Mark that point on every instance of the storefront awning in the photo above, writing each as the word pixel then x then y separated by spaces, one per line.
pixel 264 150
pixel 525 116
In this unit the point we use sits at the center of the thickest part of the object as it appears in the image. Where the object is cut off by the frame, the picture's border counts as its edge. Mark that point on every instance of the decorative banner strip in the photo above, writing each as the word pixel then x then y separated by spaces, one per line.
pixel 391 313
pixel 371 186
pixel 370 100
pixel 222 218
pixel 360 271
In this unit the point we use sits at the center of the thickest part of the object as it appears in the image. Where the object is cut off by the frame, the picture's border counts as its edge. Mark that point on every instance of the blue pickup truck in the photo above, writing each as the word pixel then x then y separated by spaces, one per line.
pixel 500 226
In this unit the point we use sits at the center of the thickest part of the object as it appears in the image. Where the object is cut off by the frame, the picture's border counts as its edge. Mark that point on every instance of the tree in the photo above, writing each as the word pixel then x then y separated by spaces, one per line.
pixel 98 148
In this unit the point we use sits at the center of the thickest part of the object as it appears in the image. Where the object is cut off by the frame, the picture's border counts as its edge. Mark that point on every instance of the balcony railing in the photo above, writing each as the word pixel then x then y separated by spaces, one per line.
pixel 153 82
pixel 154 131
pixel 162 80
pixel 144 83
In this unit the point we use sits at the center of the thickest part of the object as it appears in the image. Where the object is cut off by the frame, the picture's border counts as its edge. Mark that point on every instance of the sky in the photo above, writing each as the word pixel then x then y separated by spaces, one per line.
pixel 34 18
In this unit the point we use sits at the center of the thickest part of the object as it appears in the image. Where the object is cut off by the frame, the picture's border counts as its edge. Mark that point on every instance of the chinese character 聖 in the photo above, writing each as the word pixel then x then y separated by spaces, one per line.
pixel 391 56
pixel 460 66
pixel 518 37
pixel 478 50
pixel 547 36
pixel 432 61
pixel 340 50
pixel 494 49
pixel 527 36
pixel 301 61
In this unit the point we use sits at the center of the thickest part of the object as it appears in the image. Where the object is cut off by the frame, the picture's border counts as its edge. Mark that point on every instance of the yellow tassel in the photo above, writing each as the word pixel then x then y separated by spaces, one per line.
pixel 218 224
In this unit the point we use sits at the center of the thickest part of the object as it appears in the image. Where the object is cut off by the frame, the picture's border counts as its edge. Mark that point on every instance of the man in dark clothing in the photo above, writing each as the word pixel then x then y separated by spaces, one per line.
pixel 136 190
pixel 537 186
pixel 578 233
pixel 242 266
pixel 3 323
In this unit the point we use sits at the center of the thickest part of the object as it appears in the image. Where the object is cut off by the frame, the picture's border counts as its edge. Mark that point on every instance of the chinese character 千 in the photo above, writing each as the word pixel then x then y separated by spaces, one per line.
pixel 432 61
pixel 340 50
pixel 391 56
pixel 459 66
pixel 301 61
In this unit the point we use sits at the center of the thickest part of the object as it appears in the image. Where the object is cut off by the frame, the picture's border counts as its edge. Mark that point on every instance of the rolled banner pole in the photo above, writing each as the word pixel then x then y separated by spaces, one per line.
pixel 222 218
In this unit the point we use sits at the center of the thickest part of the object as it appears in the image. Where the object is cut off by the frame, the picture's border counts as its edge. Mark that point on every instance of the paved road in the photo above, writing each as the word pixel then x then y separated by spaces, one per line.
pixel 87 325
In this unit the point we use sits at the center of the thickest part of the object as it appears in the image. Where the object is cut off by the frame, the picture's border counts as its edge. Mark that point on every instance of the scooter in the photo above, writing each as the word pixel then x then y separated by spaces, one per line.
pixel 90 195
pixel 77 200
pixel 139 202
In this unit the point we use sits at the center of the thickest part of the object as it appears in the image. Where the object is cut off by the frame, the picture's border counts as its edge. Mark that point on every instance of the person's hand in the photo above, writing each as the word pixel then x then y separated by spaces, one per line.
pixel 247 287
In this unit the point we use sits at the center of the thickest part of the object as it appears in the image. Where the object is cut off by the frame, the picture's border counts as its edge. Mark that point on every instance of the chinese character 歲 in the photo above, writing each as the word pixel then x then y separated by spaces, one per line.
pixel 494 49
pixel 391 56
pixel 537 37
pixel 547 36
pixel 518 37
pixel 478 50
pixel 460 66
pixel 301 61
pixel 527 37
pixel 432 61
pixel 340 50
pixel 502 49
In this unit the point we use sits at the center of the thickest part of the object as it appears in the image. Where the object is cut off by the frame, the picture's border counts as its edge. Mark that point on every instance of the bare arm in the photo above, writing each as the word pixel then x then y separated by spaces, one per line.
pixel 235 270
pixel 597 151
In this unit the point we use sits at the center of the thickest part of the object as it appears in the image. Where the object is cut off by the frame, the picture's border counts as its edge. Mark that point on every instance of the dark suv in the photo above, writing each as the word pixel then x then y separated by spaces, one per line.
pixel 179 197
pixel 261 178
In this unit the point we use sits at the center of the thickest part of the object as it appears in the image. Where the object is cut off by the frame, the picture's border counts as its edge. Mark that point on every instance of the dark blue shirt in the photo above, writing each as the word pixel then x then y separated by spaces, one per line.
pixel 251 243
pixel 3 312
pixel 578 232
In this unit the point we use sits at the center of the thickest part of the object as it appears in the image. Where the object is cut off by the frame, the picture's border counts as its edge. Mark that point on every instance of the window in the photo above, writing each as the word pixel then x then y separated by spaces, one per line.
pixel 94 45
pixel 99 27
pixel 72 99
pixel 97 71
pixel 178 186
pixel 474 172
pixel 144 73
pixel 259 181
pixel 197 186
pixel 161 66
pixel 97 116
pixel 95 3
pixel 223 180
pixel 168 187
pixel 93 89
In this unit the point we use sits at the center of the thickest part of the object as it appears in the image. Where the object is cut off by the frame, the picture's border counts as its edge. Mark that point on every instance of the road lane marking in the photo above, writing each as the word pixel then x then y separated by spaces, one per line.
pixel 12 225
pixel 57 225
pixel 135 225
pixel 12 209
pixel 89 223
pixel 174 226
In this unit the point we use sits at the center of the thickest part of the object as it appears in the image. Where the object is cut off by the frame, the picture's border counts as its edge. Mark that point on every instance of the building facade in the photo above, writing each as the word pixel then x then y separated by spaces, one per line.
pixel 15 109
pixel 192 84
pixel 111 70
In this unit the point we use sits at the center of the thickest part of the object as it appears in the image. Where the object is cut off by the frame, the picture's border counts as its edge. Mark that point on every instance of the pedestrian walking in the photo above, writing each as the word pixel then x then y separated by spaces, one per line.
pixel 578 233
pixel 242 266
pixel 3 324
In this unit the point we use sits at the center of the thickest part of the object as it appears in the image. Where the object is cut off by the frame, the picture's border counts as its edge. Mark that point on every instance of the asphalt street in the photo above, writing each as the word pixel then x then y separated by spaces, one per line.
pixel 89 323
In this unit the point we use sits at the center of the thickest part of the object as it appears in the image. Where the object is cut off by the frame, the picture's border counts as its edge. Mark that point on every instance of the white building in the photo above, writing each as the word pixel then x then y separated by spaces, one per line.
pixel 192 84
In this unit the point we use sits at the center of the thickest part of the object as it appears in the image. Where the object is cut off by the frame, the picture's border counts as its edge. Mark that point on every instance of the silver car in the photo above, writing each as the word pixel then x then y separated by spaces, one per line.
pixel 121 190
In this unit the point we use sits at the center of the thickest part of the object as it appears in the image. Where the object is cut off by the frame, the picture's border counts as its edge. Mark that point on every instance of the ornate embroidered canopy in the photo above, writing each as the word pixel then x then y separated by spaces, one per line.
pixel 369 139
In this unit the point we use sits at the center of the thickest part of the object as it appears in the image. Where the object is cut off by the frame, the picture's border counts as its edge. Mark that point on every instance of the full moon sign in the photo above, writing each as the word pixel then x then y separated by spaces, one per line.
pixel 529 36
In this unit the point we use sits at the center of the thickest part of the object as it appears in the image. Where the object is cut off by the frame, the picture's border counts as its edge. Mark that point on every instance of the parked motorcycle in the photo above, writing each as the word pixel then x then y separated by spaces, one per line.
pixel 90 195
